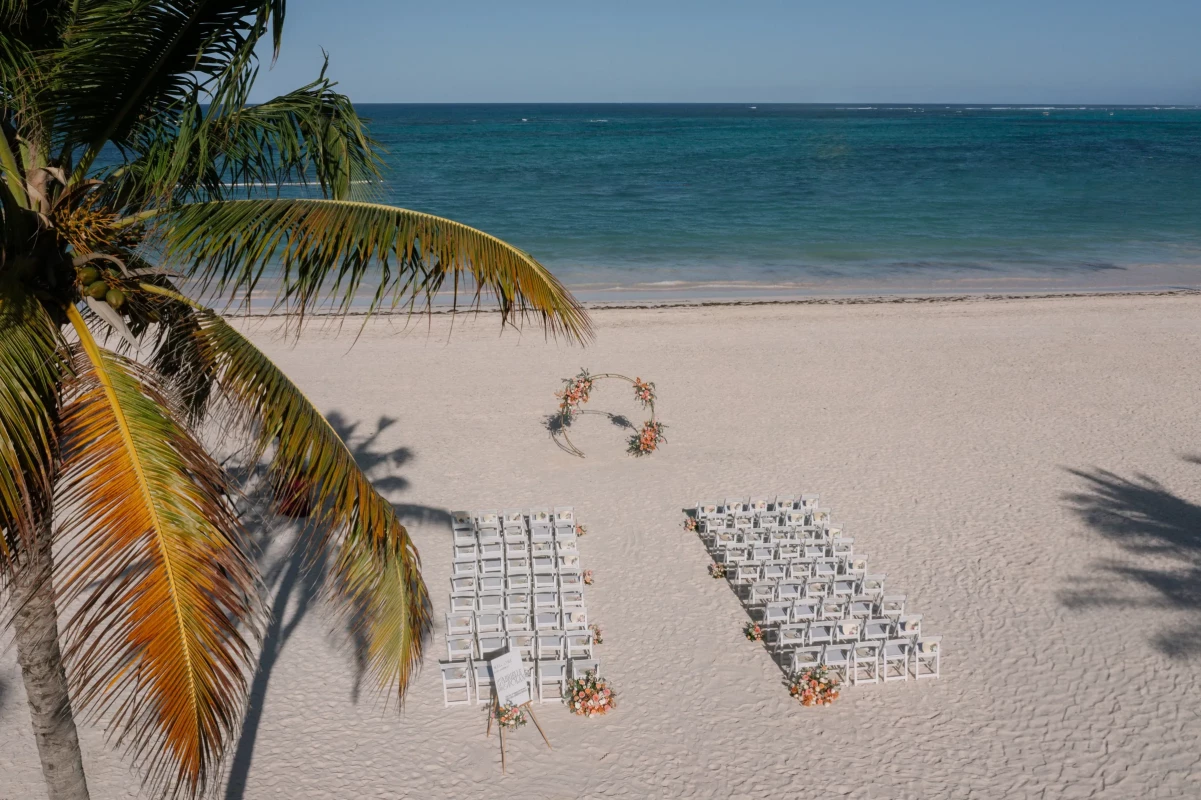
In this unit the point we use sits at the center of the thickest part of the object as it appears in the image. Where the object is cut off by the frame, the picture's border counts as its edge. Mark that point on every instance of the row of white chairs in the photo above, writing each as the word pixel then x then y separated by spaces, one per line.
pixel 469 682
pixel 757 505
pixel 514 518
pixel 811 609
pixel 789 635
pixel 564 580
pixel 468 623
pixel 469 544
pixel 516 600
pixel 797 569
pixel 843 586
pixel 856 663
pixel 532 645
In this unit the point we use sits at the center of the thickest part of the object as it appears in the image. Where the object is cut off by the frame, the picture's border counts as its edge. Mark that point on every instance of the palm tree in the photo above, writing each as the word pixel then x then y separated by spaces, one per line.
pixel 128 148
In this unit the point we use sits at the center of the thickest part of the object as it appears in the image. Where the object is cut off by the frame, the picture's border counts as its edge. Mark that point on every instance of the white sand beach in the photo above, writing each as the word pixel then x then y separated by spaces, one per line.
pixel 1027 472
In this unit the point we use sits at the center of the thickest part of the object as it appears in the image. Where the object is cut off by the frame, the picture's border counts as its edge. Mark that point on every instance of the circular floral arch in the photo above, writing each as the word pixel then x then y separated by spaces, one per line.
pixel 578 390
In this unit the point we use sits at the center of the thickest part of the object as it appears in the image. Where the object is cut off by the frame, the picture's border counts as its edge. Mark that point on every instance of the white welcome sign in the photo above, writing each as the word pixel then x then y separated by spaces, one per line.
pixel 509 680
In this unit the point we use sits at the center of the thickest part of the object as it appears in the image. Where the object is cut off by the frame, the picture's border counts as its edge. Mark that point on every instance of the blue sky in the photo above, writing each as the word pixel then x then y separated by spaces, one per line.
pixel 1003 51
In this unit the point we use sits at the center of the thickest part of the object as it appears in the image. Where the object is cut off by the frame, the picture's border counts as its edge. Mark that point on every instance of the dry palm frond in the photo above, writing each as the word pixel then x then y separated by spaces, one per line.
pixel 376 576
pixel 328 249
pixel 31 365
pixel 162 590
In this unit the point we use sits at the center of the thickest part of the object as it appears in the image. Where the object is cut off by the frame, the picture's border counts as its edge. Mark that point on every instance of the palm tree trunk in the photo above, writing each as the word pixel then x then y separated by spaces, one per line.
pixel 41 661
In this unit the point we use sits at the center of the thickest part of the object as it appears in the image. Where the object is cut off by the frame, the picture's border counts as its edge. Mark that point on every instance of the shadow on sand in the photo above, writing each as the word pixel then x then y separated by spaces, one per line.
pixel 297 579
pixel 1161 533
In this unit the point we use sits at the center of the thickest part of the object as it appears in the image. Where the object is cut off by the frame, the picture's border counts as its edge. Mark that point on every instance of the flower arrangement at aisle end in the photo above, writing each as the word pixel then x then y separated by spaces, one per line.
pixel 577 391
pixel 753 632
pixel 588 577
pixel 691 524
pixel 510 717
pixel 814 686
pixel 717 570
pixel 590 696
pixel 598 635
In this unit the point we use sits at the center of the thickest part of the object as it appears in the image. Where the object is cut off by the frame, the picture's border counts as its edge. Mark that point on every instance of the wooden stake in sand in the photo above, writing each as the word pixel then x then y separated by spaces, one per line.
pixel 510 688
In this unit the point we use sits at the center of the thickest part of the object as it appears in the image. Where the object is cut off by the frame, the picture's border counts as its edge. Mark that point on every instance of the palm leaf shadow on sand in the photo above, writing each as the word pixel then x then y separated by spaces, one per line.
pixel 297 580
pixel 1161 533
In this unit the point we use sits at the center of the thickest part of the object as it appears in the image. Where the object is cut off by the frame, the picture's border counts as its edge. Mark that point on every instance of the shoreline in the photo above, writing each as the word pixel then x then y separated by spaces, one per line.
pixel 823 300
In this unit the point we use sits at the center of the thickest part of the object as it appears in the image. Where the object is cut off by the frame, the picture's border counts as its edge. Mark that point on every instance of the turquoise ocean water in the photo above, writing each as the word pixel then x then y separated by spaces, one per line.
pixel 642 201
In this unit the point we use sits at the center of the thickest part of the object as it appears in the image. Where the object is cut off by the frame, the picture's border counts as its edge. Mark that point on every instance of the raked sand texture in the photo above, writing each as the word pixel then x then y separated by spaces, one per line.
pixel 1029 472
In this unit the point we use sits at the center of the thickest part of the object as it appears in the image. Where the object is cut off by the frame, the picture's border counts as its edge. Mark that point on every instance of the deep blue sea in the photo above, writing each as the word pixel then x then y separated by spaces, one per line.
pixel 813 198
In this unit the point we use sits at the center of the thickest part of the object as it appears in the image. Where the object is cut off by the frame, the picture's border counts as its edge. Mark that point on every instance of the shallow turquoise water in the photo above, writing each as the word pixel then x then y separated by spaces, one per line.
pixel 810 195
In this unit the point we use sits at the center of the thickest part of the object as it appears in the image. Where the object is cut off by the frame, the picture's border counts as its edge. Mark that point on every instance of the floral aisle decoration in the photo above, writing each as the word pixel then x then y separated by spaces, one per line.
pixel 577 391
pixel 588 578
pixel 590 696
pixel 581 530
pixel 690 524
pixel 510 717
pixel 598 635
pixel 814 686
pixel 717 570
pixel 753 631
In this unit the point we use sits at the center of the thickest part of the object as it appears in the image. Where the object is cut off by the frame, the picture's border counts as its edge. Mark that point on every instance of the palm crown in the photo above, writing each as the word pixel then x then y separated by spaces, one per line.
pixel 128 145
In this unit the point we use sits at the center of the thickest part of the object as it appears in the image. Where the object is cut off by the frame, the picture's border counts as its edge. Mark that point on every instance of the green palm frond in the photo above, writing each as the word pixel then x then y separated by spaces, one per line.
pixel 126 61
pixel 376 575
pixel 31 365
pixel 326 250
pixel 161 591
pixel 220 146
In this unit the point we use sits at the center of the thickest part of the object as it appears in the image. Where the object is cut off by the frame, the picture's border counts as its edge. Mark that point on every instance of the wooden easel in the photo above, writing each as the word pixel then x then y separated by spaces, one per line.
pixel 501 728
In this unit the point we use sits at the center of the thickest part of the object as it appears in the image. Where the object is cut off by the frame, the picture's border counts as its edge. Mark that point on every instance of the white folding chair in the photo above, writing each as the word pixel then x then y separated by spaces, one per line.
pixel 579 667
pixel 492 550
pixel 847 630
pixel 579 644
pixel 492 566
pixel 490 602
pixel 821 632
pixel 927 657
pixel 857 566
pixel 564 517
pixel 816 588
pixel 459 648
pixel 524 643
pixel 805 658
pixel 465 566
pixel 518 565
pixel 575 618
pixel 461 520
pixel 464 536
pixel 844 586
pixel 489 621
pixel 892 606
pixel 519 548
pixel 550 644
pixel 544 600
pixel 571 580
pixel 465 551
pixel 483 683
pixel 463 584
pixel 460 624
pixel 514 520
pixel 546 620
pixel 543 564
pixel 456 683
pixel 774 570
pixel 517 620
pixel 551 673
pixel 834 607
pixel 866 664
pixel 761 592
pixel 790 591
pixel 491 644
pixel 791 636
pixel 873 585
pixel 517 600
pixel 837 658
pixel 862 606
pixel 545 581
pixel 745 573
pixel 706 510
pixel 805 610
pixel 491 584
pixel 462 602
pixel 568 561
pixel 909 626
pixel 776 612
pixel 877 630
pixel 825 568
pixel 566 542
pixel 519 581
pixel 571 597
pixel 894 660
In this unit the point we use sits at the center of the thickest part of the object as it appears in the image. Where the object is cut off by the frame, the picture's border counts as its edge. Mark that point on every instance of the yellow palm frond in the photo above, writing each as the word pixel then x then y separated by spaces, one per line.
pixel 162 591
pixel 376 576
pixel 31 365
pixel 328 250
